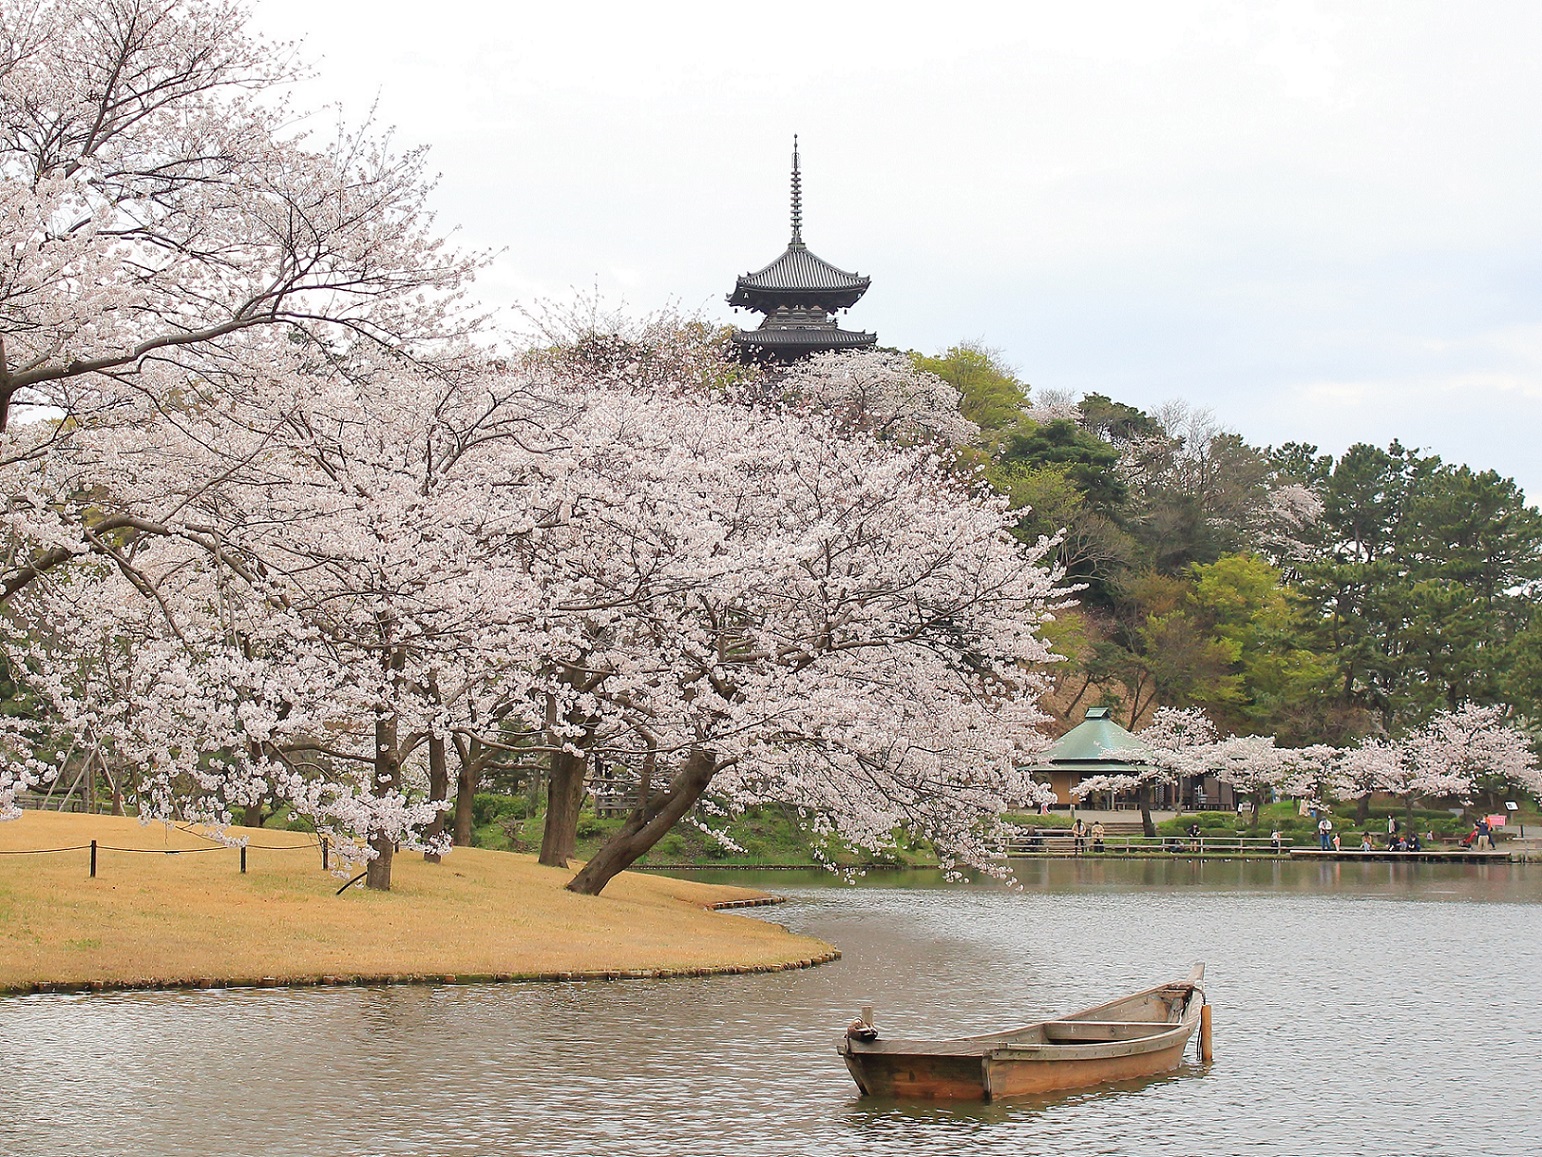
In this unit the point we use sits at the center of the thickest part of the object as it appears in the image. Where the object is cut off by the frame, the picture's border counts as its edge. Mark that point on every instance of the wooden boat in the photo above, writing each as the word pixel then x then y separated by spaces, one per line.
pixel 1135 1036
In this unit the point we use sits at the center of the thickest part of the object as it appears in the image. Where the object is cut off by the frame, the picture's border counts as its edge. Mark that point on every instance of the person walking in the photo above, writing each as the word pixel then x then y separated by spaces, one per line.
pixel 1325 832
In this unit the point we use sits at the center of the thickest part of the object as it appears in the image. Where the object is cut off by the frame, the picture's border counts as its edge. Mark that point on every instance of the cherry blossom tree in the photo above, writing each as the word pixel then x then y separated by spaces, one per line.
pixel 1256 768
pixel 884 394
pixel 168 230
pixel 751 593
pixel 1459 753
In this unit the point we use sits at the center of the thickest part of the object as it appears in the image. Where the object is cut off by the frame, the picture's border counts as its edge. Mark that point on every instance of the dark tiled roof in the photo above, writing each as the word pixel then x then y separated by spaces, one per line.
pixel 802 275
pixel 825 337
pixel 789 343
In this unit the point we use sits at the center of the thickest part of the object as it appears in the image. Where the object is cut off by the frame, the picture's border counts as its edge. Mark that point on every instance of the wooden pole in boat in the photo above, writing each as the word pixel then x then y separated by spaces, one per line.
pixel 1206 1050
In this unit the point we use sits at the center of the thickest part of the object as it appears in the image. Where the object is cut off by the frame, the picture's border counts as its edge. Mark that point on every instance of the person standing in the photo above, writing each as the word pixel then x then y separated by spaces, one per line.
pixel 1325 832
pixel 1485 835
pixel 1275 841
pixel 1097 835
pixel 1079 834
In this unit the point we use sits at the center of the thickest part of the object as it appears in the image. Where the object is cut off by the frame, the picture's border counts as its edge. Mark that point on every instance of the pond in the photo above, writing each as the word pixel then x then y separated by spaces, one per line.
pixel 1359 1008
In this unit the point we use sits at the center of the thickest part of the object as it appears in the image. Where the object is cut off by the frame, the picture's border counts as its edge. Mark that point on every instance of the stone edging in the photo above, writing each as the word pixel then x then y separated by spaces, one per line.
pixel 337 980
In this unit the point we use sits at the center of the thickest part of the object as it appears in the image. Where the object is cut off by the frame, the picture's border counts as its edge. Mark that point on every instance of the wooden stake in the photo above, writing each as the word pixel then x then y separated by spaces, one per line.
pixel 1206 1050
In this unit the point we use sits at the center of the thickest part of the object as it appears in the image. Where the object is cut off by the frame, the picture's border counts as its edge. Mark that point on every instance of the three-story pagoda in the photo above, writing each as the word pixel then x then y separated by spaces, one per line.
pixel 799 293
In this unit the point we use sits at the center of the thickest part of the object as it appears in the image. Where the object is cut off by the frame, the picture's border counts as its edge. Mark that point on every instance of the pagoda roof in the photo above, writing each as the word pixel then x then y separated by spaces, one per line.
pixel 798 272
pixel 794 341
pixel 799 276
pixel 1096 746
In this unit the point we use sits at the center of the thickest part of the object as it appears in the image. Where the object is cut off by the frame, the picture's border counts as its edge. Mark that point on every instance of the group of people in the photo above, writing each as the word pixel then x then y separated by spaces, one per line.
pixel 1481 838
pixel 1396 842
pixel 1081 833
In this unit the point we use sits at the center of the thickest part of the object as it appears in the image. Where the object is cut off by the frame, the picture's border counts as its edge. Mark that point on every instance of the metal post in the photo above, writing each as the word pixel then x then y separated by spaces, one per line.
pixel 93 859
pixel 243 859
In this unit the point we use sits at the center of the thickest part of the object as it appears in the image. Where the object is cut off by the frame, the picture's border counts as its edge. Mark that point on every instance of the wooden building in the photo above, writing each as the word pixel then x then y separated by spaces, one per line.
pixel 1099 746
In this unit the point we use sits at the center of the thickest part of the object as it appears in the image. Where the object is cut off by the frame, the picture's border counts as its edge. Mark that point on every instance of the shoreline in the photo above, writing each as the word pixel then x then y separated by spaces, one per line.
pixel 156 917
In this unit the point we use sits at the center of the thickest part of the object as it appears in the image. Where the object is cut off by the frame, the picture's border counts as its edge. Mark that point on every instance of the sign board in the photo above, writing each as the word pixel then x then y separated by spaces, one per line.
pixel 1497 821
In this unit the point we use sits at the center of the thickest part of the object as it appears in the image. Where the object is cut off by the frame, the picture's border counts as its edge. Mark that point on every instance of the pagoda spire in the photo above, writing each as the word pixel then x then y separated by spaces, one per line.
pixel 797 195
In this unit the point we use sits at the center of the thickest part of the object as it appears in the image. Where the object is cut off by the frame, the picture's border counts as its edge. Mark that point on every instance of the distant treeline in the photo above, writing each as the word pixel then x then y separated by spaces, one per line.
pixel 1284 591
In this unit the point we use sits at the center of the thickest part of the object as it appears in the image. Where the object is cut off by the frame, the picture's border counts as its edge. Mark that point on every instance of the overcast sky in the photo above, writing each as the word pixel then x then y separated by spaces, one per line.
pixel 1320 220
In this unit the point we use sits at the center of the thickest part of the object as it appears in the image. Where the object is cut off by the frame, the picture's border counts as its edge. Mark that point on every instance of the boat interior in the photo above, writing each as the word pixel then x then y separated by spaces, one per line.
pixel 1136 1017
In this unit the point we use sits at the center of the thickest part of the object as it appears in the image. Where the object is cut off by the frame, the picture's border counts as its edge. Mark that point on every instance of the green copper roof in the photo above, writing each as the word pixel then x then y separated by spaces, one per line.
pixel 1097 745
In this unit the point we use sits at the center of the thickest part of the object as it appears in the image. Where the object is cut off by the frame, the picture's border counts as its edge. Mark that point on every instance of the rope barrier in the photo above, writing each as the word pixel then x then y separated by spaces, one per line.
pixel 96 846
pixel 42 851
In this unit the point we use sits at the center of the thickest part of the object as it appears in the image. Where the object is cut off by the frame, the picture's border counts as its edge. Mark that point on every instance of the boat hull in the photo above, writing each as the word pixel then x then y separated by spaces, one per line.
pixel 1136 1036
pixel 919 1076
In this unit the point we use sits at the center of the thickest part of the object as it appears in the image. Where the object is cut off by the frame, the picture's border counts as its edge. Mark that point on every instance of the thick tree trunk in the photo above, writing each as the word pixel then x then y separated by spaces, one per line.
pixel 438 788
pixel 387 776
pixel 647 824
pixel 465 793
pixel 564 800
pixel 1363 809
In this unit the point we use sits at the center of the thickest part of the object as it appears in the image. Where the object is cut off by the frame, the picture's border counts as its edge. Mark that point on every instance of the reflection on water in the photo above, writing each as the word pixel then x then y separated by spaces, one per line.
pixel 1360 1008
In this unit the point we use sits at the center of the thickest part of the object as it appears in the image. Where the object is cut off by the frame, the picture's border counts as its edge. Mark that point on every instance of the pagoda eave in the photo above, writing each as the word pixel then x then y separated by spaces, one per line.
pixel 791 343
pixel 764 299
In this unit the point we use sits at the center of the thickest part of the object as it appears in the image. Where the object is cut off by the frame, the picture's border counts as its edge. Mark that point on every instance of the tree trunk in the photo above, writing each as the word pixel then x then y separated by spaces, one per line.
pixel 465 794
pixel 387 775
pixel 564 800
pixel 647 824
pixel 1147 824
pixel 1363 809
pixel 438 788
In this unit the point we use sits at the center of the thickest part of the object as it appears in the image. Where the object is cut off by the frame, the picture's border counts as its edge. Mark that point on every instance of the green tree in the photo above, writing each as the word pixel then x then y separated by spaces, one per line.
pixel 992 396
pixel 1085 460
pixel 1285 686
pixel 1426 578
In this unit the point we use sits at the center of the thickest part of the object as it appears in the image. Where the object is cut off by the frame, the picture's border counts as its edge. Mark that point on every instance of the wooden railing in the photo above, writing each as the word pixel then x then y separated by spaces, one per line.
pixel 1060 842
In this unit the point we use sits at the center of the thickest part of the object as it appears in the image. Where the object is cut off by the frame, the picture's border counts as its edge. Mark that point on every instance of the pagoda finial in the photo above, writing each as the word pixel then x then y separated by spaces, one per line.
pixel 797 196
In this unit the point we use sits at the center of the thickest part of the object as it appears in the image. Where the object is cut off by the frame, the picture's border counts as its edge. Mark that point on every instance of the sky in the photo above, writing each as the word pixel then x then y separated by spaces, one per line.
pixel 1322 221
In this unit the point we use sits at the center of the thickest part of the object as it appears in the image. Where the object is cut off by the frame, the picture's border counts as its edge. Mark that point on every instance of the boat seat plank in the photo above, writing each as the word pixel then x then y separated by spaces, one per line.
pixel 1102 1030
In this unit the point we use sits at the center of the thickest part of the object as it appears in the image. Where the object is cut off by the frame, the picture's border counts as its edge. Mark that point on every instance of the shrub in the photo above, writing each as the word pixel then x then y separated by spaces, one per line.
pixel 489 807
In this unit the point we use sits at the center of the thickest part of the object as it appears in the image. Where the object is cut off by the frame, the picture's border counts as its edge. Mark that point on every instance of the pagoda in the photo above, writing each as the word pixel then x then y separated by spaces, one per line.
pixel 798 292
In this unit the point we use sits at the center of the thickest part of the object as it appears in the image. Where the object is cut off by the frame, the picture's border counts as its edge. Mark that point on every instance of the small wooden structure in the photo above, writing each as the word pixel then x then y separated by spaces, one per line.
pixel 1099 746
pixel 1135 1036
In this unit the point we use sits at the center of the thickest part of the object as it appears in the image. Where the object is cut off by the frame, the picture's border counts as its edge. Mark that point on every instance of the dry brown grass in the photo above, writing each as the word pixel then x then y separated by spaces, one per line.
pixel 180 918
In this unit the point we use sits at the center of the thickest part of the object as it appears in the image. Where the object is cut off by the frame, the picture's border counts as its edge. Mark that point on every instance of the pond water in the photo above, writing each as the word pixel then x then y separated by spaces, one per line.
pixel 1359 1008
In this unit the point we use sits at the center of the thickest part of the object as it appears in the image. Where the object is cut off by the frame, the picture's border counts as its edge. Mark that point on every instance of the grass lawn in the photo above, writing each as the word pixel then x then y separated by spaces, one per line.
pixel 178 919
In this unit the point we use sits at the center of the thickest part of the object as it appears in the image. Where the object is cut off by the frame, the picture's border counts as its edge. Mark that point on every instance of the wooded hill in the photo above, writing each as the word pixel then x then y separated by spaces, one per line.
pixel 1285 591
